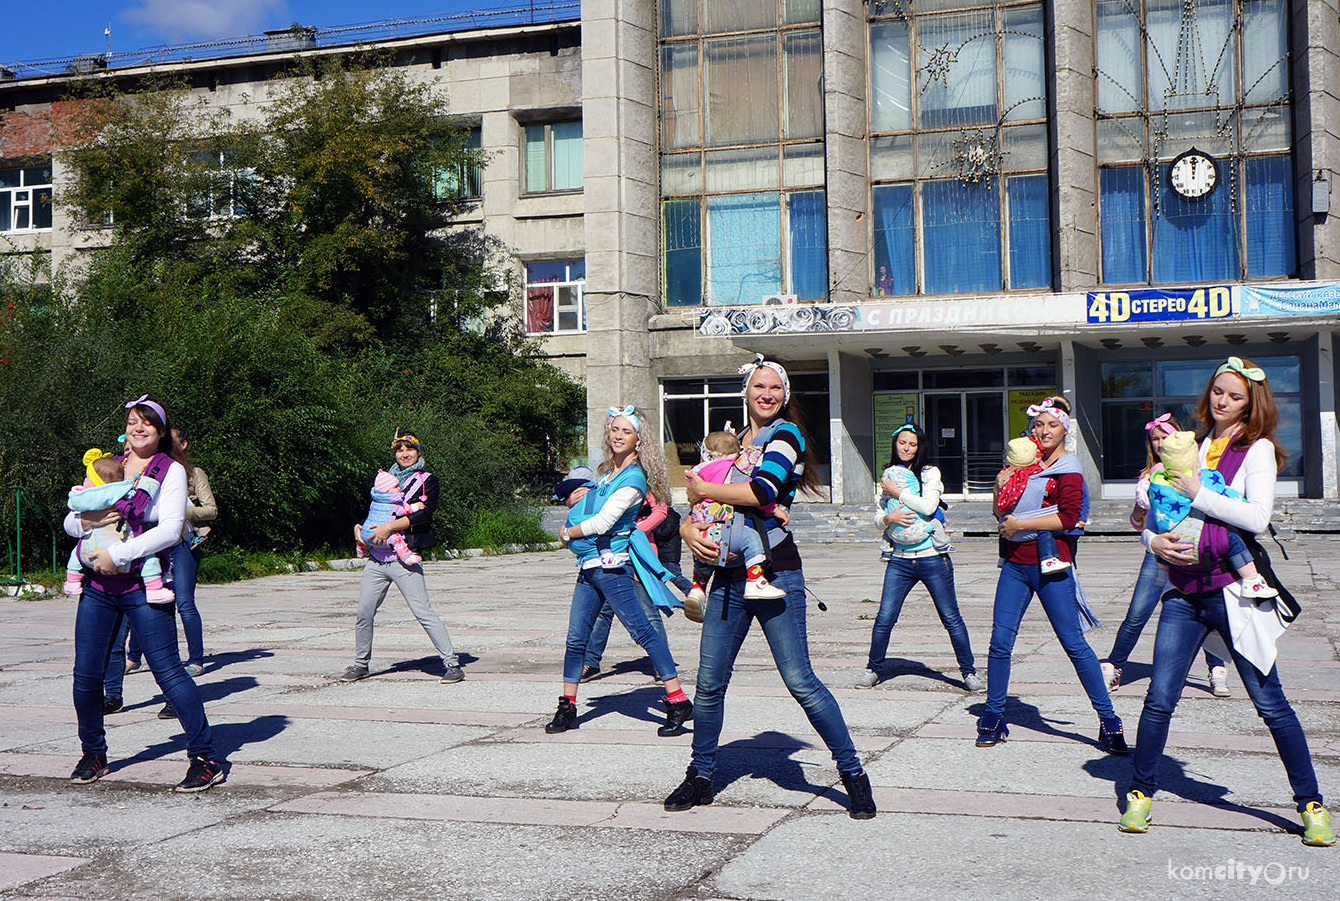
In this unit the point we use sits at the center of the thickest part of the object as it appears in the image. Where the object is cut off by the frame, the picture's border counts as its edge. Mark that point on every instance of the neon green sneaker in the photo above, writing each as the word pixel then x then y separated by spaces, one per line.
pixel 1137 818
pixel 1317 830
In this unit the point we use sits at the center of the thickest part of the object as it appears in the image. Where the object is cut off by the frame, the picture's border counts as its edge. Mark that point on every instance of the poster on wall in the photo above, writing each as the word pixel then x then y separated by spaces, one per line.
pixel 891 411
pixel 1020 399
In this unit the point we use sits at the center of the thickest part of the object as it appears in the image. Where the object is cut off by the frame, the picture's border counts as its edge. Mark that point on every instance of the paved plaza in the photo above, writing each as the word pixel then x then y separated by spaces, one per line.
pixel 399 787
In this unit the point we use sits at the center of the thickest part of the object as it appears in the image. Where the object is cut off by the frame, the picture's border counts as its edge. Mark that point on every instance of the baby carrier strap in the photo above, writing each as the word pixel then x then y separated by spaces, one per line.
pixel 136 504
pixel 414 485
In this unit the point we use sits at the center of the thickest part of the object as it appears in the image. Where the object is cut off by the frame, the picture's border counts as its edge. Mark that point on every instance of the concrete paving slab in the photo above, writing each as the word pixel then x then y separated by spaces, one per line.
pixel 16 869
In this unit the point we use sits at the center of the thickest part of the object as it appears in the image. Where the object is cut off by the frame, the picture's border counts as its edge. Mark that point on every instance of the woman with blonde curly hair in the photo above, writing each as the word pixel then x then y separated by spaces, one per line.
pixel 633 464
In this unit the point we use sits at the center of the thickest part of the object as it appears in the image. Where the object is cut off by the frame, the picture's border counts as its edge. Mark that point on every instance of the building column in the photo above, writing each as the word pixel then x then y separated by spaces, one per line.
pixel 851 422
pixel 1073 155
pixel 846 160
pixel 1087 420
pixel 620 184
pixel 1315 70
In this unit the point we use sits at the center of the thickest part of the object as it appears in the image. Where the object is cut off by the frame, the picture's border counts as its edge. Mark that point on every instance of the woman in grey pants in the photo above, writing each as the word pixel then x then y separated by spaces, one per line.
pixel 384 567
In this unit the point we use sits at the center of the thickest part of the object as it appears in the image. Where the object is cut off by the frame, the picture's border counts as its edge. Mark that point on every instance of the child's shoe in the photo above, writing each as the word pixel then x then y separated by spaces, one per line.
pixel 1317 830
pixel 1258 589
pixel 408 557
pixel 758 588
pixel 74 584
pixel 1111 675
pixel 1053 565
pixel 1137 817
pixel 886 555
pixel 155 593
pixel 360 550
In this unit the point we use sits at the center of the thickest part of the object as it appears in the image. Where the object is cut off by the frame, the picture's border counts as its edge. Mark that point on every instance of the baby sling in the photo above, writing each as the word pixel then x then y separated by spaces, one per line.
pixel 132 509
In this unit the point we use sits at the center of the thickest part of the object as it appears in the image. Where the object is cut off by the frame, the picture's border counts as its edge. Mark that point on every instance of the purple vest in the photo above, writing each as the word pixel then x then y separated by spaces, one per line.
pixel 1212 572
pixel 132 508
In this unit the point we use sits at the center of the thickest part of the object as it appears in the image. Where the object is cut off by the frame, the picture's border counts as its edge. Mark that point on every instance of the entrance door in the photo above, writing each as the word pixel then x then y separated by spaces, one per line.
pixel 944 430
pixel 966 430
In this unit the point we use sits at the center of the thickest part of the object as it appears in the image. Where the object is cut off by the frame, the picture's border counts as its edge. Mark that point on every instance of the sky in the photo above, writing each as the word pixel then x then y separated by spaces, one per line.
pixel 42 29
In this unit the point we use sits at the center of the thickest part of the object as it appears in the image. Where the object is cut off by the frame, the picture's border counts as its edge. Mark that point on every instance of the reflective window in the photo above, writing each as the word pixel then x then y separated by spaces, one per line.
pixel 553 157
pixel 25 198
pixel 556 297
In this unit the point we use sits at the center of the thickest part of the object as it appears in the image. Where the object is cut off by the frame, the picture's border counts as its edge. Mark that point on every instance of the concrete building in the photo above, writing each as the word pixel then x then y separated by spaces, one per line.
pixel 935 209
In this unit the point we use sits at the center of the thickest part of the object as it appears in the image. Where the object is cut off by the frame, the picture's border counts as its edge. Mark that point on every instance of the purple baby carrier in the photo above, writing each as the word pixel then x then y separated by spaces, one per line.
pixel 133 508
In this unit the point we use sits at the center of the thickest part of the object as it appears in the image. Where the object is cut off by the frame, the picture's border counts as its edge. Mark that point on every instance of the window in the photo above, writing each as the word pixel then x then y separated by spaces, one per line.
pixel 25 198
pixel 1214 76
pixel 1135 392
pixel 742 172
pixel 958 148
pixel 225 187
pixel 556 297
pixel 464 181
pixel 553 157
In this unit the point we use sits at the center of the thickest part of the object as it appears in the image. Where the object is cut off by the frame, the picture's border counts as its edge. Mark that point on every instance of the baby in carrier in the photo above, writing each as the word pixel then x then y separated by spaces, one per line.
pixel 915 532
pixel 725 461
pixel 1173 513
pixel 388 503
pixel 105 483
pixel 1023 461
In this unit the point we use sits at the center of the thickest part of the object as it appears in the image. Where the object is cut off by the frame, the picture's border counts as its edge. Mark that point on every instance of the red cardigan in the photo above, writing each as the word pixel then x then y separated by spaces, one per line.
pixel 1069 495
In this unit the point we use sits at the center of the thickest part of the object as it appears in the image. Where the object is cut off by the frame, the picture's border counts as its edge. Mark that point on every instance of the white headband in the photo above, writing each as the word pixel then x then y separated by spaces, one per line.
pixel 626 413
pixel 1048 405
pixel 748 369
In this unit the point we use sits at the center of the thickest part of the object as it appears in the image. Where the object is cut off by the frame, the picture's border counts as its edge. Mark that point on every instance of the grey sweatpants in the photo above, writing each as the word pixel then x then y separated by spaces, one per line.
pixel 377 579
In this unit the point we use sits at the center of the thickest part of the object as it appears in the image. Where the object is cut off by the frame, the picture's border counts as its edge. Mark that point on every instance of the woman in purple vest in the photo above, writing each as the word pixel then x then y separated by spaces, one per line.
pixel 114 591
pixel 1203 605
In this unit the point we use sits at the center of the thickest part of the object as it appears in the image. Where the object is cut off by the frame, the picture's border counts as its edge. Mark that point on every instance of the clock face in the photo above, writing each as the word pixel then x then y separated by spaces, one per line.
pixel 1193 175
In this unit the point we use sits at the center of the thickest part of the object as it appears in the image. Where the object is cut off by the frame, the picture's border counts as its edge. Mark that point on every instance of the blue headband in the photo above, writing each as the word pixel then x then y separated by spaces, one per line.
pixel 905 427
pixel 626 413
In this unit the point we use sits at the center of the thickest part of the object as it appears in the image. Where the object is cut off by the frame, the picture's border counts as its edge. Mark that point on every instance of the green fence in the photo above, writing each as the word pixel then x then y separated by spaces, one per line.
pixel 37 519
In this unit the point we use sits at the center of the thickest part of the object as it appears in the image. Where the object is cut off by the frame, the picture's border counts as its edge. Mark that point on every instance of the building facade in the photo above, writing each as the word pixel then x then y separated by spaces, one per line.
pixel 935 210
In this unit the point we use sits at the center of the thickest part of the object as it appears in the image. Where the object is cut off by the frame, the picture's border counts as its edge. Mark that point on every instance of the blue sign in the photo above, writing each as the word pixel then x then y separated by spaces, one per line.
pixel 1161 305
pixel 1313 300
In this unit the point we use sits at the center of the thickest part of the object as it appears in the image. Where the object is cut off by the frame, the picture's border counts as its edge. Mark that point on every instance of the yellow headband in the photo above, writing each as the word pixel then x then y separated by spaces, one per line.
pixel 91 456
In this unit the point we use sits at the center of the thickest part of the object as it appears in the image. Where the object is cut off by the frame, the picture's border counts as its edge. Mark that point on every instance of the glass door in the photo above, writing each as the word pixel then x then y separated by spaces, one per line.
pixel 984 438
pixel 944 431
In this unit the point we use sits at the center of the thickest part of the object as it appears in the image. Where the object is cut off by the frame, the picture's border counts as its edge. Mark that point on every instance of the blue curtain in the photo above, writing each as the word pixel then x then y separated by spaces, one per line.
pixel 744 259
pixel 809 244
pixel 1270 232
pixel 683 252
pixel 1030 232
pixel 1195 240
pixel 1122 206
pixel 961 236
pixel 895 241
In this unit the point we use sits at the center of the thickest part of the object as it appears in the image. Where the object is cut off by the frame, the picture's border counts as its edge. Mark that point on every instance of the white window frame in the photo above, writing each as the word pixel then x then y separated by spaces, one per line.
pixel 22 198
pixel 568 301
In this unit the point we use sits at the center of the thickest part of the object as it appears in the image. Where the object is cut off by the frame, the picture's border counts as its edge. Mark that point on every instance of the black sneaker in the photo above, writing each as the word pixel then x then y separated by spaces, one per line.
pixel 201 775
pixel 354 673
pixel 589 673
pixel 110 705
pixel 860 800
pixel 452 674
pixel 676 714
pixel 564 719
pixel 693 791
pixel 91 768
pixel 167 713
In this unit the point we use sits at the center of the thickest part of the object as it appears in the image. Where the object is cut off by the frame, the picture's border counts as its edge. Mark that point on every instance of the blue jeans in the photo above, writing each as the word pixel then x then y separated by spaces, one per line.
pixel 750 551
pixel 937 574
pixel 595 587
pixel 185 565
pixel 1149 587
pixel 1014 591
pixel 97 621
pixel 600 632
pixel 1183 624
pixel 1046 545
pixel 727 617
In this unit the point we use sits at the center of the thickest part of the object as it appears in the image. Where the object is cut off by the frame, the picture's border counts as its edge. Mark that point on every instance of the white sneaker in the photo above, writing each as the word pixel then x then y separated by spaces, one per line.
pixel 1053 565
pixel 1111 675
pixel 761 589
pixel 867 679
pixel 973 684
pixel 1219 681
pixel 1258 589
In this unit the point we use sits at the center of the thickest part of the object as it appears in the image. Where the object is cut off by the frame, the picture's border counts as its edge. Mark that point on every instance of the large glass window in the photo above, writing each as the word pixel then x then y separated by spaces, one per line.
pixel 226 186
pixel 958 149
pixel 1134 392
pixel 742 172
pixel 1213 76
pixel 553 157
pixel 465 180
pixel 556 297
pixel 25 198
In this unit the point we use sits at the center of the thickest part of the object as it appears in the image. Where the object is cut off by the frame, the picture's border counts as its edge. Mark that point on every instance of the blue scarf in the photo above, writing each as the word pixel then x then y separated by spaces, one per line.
pixel 402 473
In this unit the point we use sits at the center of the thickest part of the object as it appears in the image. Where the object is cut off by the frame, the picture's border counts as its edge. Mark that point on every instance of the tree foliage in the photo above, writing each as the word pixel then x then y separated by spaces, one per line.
pixel 290 283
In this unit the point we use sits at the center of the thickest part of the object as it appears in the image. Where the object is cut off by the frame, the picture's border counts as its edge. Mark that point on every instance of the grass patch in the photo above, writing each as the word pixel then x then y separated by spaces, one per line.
pixel 498 528
pixel 234 564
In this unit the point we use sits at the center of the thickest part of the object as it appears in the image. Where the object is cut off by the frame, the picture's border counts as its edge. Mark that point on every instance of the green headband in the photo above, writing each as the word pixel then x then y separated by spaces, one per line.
pixel 1235 364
